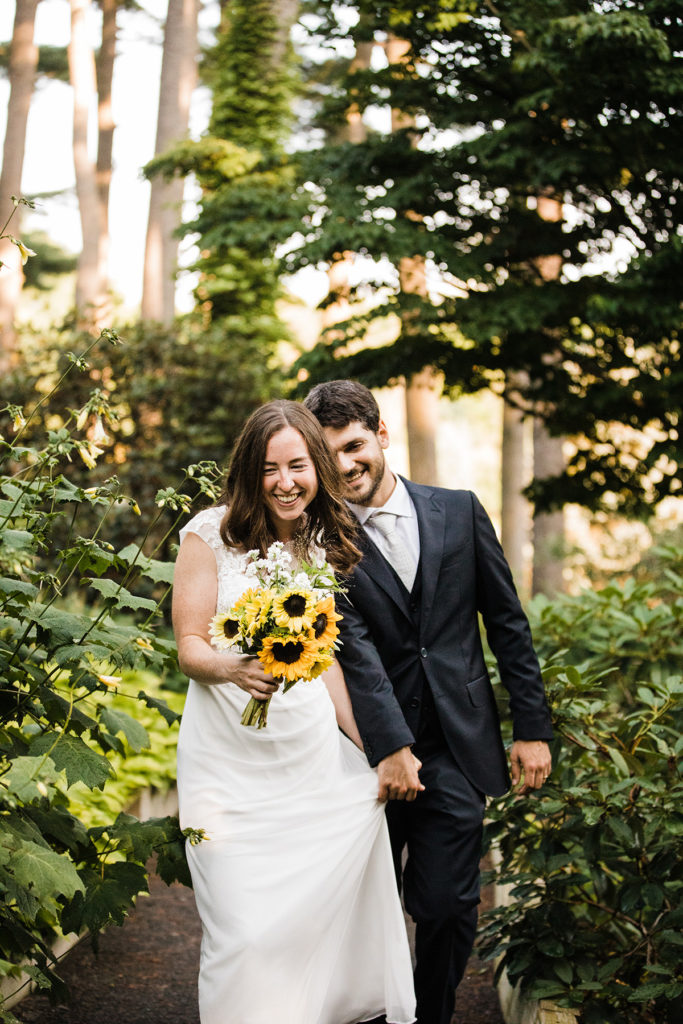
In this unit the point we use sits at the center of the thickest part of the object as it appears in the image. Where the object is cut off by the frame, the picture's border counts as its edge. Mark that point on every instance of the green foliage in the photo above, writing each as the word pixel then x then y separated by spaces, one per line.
pixel 516 108
pixel 246 179
pixel 165 399
pixel 593 862
pixel 63 733
pixel 49 260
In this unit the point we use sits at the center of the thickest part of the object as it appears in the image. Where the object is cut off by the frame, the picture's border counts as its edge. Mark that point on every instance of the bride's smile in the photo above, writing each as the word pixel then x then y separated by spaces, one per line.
pixel 290 482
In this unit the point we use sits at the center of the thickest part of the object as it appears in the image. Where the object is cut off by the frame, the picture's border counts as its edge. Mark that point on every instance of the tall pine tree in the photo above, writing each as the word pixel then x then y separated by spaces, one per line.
pixel 519 104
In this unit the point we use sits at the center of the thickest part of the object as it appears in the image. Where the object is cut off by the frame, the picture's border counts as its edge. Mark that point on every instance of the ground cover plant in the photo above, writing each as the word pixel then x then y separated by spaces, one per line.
pixel 593 864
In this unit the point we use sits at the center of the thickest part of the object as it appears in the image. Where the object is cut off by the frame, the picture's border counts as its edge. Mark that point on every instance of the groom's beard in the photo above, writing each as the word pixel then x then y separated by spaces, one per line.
pixel 374 470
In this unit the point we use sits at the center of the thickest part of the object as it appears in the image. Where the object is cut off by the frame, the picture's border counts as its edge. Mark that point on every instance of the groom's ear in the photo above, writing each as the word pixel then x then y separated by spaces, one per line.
pixel 382 435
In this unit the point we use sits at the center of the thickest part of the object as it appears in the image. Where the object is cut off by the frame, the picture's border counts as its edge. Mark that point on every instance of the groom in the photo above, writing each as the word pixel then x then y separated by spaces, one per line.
pixel 415 669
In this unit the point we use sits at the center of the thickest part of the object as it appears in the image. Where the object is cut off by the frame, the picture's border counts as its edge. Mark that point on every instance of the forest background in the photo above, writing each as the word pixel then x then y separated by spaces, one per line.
pixel 471 206
pixel 537 182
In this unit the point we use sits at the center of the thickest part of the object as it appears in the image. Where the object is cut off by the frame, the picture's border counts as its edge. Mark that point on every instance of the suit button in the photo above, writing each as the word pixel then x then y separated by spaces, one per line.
pixel 424 652
pixel 415 702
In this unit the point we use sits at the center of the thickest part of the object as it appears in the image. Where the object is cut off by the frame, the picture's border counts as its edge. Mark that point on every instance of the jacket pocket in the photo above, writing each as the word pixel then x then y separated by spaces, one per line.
pixel 479 691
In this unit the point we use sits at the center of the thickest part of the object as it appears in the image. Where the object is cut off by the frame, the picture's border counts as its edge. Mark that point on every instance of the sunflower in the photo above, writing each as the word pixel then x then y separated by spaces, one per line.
pixel 224 630
pixel 324 626
pixel 253 606
pixel 288 657
pixel 323 660
pixel 294 609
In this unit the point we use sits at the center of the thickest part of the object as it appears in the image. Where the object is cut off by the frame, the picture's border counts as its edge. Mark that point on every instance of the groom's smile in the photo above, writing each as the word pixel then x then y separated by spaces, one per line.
pixel 360 456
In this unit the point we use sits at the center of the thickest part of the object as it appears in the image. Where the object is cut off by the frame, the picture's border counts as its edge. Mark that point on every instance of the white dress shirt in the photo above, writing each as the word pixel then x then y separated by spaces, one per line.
pixel 399 504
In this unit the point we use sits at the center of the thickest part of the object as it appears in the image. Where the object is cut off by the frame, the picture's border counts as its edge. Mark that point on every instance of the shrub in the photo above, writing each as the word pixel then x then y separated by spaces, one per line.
pixel 58 663
pixel 594 861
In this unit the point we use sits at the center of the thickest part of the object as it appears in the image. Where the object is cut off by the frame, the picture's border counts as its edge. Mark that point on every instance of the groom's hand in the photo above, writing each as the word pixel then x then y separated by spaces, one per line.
pixel 530 764
pixel 398 776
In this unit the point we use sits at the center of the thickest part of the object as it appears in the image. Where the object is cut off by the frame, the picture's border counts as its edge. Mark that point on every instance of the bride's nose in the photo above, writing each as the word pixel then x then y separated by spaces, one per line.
pixel 284 480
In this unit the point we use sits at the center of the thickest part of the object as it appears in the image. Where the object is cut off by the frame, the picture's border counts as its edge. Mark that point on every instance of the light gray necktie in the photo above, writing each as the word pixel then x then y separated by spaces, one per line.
pixel 397 553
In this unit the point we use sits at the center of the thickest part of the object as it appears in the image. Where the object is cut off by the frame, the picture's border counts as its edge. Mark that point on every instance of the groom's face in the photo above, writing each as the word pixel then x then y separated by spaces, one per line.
pixel 360 455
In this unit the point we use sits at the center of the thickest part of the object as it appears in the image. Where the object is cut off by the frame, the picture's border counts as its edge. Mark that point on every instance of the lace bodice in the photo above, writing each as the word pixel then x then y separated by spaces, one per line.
pixel 230 564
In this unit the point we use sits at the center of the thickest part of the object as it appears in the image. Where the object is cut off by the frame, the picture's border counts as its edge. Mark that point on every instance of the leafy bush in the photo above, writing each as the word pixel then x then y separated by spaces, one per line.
pixel 170 397
pixel 594 861
pixel 60 730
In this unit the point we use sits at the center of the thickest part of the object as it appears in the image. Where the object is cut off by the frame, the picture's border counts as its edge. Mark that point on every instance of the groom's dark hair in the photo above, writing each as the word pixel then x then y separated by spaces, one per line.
pixel 336 403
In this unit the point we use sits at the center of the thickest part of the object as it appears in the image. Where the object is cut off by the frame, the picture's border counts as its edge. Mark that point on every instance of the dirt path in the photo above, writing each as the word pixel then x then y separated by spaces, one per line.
pixel 146 972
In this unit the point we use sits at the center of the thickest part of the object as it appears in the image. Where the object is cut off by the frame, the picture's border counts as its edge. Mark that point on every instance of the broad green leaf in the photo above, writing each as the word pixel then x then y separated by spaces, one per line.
pixel 17 540
pixel 44 873
pixel 564 971
pixel 161 706
pixel 63 627
pixel 12 586
pixel 107 897
pixel 160 572
pixel 618 759
pixel 118 721
pixel 32 778
pixel 72 755
pixel 122 598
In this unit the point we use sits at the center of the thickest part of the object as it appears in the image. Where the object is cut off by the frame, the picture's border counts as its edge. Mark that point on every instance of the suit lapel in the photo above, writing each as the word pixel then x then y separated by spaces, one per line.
pixel 431 518
pixel 374 565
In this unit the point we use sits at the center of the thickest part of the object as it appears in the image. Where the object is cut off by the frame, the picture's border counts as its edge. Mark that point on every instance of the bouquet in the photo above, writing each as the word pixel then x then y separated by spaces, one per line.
pixel 287 620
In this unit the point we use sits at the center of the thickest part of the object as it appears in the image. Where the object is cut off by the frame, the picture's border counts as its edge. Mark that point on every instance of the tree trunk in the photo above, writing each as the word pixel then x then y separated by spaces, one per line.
pixel 353 131
pixel 548 526
pixel 516 516
pixel 423 389
pixel 105 135
pixel 549 529
pixel 178 79
pixel 286 12
pixel 82 77
pixel 23 62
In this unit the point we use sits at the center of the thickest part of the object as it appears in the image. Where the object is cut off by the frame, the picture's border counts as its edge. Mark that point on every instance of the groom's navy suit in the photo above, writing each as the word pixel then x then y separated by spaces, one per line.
pixel 415 669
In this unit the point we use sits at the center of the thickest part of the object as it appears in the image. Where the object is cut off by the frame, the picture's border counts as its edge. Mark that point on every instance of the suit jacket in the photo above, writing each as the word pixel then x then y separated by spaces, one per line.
pixel 391 647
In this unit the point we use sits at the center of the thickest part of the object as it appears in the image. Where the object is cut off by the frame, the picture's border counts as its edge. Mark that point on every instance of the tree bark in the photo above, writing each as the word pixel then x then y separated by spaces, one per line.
pixel 549 527
pixel 82 77
pixel 549 539
pixel 353 131
pixel 23 62
pixel 178 79
pixel 516 514
pixel 423 389
pixel 105 136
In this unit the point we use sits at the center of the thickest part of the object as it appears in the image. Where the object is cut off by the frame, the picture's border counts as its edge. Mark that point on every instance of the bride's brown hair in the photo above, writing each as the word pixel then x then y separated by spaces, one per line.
pixel 327 521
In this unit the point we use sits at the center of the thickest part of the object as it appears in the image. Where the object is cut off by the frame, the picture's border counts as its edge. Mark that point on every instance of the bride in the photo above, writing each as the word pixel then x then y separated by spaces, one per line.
pixel 294 883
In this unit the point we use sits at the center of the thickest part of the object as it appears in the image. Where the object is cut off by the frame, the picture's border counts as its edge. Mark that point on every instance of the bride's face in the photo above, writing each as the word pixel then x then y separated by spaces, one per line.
pixel 290 482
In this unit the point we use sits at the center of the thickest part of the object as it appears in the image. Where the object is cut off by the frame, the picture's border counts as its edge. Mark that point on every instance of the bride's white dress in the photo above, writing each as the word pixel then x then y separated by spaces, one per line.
pixel 295 886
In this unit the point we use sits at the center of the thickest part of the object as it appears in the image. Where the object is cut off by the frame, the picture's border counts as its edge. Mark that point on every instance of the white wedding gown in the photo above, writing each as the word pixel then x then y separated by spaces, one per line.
pixel 295 886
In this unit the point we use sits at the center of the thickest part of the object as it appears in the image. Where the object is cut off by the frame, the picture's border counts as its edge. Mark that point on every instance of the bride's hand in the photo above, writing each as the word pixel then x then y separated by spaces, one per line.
pixel 248 674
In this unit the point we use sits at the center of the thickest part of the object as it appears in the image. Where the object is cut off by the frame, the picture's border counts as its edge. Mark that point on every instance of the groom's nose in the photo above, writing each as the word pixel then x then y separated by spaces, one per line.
pixel 346 462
